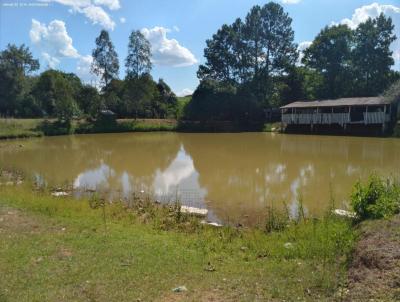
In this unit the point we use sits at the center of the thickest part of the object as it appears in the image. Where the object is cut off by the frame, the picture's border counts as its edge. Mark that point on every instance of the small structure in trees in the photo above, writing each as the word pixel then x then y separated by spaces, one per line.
pixel 107 117
pixel 344 113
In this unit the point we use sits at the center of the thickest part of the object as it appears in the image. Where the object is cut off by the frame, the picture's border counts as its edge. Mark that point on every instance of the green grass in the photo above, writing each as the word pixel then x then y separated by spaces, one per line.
pixel 128 125
pixel 19 128
pixel 23 128
pixel 58 249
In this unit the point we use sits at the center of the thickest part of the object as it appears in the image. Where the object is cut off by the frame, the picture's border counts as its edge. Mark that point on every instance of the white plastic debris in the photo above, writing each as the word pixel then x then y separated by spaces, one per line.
pixel 194 211
pixel 59 194
pixel 180 289
pixel 344 213
pixel 215 224
pixel 288 245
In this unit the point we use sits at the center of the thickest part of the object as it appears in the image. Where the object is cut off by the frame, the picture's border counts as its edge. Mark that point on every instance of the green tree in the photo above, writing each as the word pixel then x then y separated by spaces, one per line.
pixel 212 100
pixel 139 95
pixel 249 59
pixel 372 57
pixel 220 57
pixel 16 63
pixel 166 105
pixel 330 55
pixel 65 106
pixel 270 39
pixel 49 90
pixel 138 61
pixel 113 97
pixel 89 101
pixel 105 59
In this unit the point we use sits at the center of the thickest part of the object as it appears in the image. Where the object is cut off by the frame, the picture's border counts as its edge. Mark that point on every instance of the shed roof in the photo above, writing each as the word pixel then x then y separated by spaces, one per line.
pixel 365 101
pixel 107 112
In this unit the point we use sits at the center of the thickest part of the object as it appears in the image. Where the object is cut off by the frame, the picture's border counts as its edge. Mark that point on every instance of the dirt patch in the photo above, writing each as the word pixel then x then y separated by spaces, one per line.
pixel 16 221
pixel 374 274
pixel 204 296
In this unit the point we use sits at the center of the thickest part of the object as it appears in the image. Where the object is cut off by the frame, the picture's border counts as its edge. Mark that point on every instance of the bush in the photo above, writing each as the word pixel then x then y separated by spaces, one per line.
pixel 378 198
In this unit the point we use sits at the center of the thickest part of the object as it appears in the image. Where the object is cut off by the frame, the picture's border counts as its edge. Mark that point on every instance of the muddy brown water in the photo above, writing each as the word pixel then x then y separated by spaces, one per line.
pixel 235 176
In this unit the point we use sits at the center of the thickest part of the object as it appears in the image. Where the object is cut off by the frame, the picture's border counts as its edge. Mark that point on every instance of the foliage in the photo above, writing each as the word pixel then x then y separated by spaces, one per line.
pixel 105 59
pixel 56 93
pixel 257 57
pixel 249 55
pixel 353 62
pixel 372 57
pixel 330 55
pixel 378 198
pixel 138 61
pixel 90 101
pixel 212 100
pixel 16 63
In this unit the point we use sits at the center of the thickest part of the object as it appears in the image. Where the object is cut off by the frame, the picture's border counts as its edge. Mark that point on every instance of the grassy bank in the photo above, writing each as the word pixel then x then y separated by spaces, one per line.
pixel 19 128
pixel 23 128
pixel 63 249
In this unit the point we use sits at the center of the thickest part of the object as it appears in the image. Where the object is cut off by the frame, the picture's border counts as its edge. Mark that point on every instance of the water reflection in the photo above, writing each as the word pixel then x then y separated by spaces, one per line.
pixel 94 179
pixel 236 176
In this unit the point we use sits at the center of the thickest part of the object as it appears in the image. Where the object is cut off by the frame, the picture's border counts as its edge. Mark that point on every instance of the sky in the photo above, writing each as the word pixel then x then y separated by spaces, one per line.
pixel 62 33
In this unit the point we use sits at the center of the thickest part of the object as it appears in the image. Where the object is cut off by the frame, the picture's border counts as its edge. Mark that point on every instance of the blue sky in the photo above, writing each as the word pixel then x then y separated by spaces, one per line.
pixel 61 33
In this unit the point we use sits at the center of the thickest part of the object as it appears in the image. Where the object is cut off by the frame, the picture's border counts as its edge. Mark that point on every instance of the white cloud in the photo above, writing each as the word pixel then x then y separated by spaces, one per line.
pixel 111 4
pixel 185 92
pixel 167 52
pixel 291 1
pixel 122 19
pixel 53 41
pixel 83 68
pixel 176 28
pixel 301 48
pixel 54 44
pixel 92 9
pixel 373 10
pixel 98 16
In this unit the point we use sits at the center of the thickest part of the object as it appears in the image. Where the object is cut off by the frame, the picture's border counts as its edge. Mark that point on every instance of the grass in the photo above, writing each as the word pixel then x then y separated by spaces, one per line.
pixel 19 128
pixel 60 249
pixel 23 128
pixel 128 125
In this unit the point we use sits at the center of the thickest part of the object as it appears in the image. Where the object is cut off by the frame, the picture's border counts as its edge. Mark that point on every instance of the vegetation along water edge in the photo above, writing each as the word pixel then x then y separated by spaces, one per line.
pixel 92 247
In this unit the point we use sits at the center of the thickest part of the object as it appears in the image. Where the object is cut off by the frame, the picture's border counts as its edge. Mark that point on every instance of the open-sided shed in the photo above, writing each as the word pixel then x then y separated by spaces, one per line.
pixel 343 112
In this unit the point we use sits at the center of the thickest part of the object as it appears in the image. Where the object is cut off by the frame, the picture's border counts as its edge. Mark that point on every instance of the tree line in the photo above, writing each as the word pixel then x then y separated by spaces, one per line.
pixel 250 66
pixel 253 64
pixel 55 93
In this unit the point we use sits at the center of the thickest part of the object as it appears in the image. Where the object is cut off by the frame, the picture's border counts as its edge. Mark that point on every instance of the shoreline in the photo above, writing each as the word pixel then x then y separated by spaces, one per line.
pixel 158 250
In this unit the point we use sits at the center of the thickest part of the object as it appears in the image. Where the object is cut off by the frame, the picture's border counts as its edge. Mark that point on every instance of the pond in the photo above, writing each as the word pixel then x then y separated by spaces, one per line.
pixel 235 176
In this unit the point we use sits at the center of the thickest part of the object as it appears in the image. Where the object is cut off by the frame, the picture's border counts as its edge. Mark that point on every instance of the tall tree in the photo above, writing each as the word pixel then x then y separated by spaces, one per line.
pixel 105 59
pixel 255 51
pixel 220 57
pixel 138 61
pixel 372 57
pixel 226 56
pixel 279 52
pixel 15 64
pixel 330 54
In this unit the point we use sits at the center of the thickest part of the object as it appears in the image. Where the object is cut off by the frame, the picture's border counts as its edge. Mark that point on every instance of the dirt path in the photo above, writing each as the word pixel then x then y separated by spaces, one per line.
pixel 374 273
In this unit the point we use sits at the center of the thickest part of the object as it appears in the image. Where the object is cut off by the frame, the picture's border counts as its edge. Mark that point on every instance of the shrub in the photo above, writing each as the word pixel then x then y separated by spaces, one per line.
pixel 378 198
